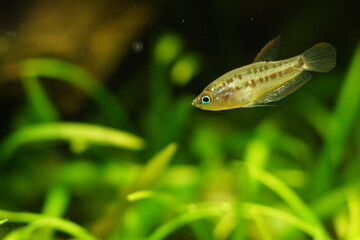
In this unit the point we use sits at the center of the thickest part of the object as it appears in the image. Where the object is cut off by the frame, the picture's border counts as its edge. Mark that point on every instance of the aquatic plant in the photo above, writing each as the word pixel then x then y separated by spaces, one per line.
pixel 258 182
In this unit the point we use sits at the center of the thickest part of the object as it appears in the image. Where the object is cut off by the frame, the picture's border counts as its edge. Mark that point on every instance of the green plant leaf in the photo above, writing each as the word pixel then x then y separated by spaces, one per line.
pixel 353 199
pixel 167 48
pixel 74 133
pixel 33 69
pixel 58 224
pixel 194 212
pixel 338 129
pixel 39 101
pixel 289 196
pixel 3 221
pixel 154 168
pixel 184 69
pixel 37 221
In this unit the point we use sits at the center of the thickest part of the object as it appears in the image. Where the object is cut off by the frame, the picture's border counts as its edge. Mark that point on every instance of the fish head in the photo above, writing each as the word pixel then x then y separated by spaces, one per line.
pixel 206 101
pixel 217 97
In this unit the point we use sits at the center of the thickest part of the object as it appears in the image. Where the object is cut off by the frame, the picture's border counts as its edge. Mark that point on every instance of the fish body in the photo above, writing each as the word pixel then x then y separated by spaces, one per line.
pixel 264 80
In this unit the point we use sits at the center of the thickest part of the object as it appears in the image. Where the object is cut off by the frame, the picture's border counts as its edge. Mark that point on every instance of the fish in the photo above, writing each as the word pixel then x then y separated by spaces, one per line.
pixel 266 79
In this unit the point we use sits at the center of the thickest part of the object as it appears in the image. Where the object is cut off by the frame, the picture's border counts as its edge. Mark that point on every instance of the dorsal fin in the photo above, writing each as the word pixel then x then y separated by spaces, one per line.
pixel 270 52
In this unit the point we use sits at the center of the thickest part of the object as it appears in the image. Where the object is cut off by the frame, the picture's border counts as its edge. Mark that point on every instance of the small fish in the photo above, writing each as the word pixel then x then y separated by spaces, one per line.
pixel 265 80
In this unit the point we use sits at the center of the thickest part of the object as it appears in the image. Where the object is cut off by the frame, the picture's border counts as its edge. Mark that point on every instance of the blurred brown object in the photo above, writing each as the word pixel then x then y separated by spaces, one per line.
pixel 92 34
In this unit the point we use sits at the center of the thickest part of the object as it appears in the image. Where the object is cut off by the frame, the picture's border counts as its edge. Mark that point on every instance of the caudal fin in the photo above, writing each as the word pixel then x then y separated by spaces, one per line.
pixel 320 58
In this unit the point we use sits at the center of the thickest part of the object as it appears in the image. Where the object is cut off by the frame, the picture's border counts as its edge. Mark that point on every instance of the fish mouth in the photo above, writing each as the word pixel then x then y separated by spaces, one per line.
pixel 194 103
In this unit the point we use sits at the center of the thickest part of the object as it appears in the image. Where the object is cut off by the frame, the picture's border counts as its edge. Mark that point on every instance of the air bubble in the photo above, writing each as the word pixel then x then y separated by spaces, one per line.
pixel 137 46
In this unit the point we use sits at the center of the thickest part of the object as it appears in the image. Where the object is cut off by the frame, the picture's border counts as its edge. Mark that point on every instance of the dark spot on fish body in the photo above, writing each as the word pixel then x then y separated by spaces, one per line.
pixel 266 68
pixel 225 97
pixel 300 63
pixel 290 69
pixel 223 84
pixel 273 76
pixel 239 77
pixel 261 80
pixel 287 70
pixel 280 73
pixel 229 80
pixel 208 89
pixel 247 84
pixel 253 83
pixel 267 78
pixel 237 88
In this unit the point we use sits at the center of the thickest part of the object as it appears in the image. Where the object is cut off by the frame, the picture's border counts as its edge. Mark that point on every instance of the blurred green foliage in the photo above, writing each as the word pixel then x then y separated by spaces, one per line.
pixel 156 168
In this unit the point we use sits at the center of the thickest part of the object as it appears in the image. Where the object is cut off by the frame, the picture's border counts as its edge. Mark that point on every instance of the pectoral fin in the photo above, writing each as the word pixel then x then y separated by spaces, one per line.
pixel 270 52
pixel 284 90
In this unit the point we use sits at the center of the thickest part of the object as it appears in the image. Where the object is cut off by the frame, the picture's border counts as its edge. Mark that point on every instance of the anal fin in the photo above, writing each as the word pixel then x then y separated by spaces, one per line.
pixel 285 89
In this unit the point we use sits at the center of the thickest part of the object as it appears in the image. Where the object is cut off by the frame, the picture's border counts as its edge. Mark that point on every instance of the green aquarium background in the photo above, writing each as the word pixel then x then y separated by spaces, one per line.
pixel 99 140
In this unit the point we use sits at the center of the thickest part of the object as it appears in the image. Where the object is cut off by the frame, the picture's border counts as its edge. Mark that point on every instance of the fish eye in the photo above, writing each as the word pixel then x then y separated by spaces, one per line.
pixel 206 99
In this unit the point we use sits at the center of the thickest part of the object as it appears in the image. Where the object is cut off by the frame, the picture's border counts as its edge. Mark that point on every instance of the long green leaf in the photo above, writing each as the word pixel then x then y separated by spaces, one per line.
pixel 3 221
pixel 338 130
pixel 40 103
pixel 33 69
pixel 76 133
pixel 58 224
pixel 153 169
pixel 353 199
pixel 37 221
pixel 289 196
pixel 246 210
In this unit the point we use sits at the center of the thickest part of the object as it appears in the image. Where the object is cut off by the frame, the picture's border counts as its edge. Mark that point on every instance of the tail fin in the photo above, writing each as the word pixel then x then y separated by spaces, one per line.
pixel 320 58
